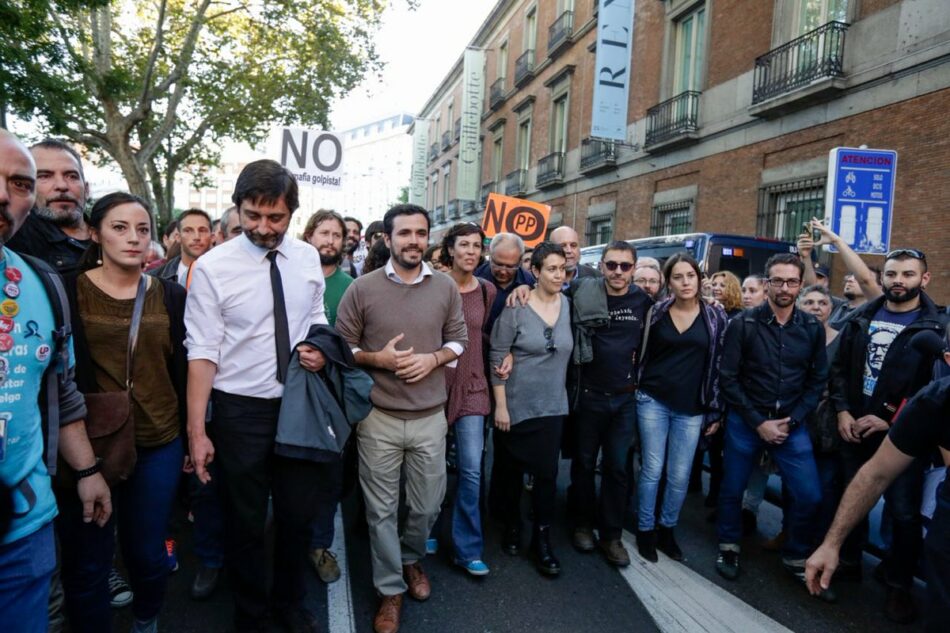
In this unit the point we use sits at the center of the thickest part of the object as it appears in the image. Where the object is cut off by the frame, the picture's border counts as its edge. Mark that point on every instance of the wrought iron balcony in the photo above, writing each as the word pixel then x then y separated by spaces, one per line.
pixel 446 140
pixel 487 188
pixel 559 33
pixel 433 152
pixel 551 170
pixel 469 207
pixel 439 215
pixel 814 56
pixel 496 94
pixel 597 155
pixel 674 119
pixel 457 129
pixel 516 183
pixel 524 67
pixel 452 209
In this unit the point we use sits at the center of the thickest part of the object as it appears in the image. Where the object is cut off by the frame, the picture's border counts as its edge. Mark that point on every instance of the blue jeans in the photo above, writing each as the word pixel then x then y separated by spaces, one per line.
pixel 795 462
pixel 209 519
pixel 142 506
pixel 670 438
pixel 466 515
pixel 26 567
pixel 604 424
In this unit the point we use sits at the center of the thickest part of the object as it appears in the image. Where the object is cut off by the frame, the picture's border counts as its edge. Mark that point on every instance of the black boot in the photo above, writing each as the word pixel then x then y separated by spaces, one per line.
pixel 545 560
pixel 666 543
pixel 646 545
pixel 511 539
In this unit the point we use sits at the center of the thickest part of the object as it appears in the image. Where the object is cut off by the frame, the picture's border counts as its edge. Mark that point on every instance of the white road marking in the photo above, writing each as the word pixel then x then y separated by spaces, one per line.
pixel 682 601
pixel 339 595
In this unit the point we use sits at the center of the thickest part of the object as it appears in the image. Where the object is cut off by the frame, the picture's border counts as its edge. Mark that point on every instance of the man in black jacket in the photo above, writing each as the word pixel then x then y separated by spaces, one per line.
pixel 875 370
pixel 194 227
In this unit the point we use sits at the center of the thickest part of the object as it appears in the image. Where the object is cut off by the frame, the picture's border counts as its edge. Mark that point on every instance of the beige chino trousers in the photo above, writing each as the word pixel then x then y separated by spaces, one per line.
pixel 385 444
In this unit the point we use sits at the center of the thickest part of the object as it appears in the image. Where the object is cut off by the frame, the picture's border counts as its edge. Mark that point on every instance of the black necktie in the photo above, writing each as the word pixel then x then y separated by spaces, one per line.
pixel 281 330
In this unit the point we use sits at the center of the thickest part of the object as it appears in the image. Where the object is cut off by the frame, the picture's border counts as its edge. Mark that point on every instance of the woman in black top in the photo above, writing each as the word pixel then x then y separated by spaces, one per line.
pixel 678 393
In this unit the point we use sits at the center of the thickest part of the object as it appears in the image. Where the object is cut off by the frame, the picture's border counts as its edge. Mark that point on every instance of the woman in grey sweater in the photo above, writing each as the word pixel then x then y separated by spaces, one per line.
pixel 531 401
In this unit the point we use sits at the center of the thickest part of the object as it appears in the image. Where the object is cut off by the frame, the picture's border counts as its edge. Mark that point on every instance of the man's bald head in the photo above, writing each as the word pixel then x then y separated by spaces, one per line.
pixel 17 184
pixel 567 238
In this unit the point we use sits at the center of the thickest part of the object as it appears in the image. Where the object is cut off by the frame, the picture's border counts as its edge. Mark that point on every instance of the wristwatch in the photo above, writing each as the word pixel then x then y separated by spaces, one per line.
pixel 88 472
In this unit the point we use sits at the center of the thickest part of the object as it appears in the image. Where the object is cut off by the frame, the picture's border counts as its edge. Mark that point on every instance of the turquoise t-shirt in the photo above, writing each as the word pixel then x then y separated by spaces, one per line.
pixel 23 366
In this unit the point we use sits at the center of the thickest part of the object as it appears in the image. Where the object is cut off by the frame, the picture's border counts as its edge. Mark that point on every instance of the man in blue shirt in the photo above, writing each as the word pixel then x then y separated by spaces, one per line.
pixel 27 323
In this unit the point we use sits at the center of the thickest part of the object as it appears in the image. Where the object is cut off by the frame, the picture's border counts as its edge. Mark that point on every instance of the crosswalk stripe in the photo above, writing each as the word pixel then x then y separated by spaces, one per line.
pixel 681 601
pixel 339 594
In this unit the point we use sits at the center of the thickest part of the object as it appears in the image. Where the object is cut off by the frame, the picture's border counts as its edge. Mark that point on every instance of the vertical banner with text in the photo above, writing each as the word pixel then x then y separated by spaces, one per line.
pixel 612 69
pixel 420 159
pixel 468 182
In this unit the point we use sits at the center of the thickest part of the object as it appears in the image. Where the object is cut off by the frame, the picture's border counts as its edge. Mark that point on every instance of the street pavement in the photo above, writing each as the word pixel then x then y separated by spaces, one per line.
pixel 589 596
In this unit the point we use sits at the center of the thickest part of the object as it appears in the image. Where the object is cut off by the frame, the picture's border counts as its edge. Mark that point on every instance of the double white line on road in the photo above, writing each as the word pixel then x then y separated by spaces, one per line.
pixel 680 600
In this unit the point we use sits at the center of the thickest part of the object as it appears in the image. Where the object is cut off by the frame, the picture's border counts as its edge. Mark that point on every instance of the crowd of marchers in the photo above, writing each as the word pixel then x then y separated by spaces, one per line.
pixel 261 377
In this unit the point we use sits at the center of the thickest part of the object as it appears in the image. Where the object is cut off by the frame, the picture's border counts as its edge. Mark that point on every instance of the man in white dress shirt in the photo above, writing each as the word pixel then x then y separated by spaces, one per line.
pixel 250 298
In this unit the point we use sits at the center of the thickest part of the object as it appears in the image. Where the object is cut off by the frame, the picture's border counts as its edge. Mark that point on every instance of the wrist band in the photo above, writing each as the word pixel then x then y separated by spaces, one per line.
pixel 88 472
pixel 437 363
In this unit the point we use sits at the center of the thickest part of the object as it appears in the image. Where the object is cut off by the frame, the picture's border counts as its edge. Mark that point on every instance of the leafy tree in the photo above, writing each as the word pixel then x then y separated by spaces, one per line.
pixel 156 86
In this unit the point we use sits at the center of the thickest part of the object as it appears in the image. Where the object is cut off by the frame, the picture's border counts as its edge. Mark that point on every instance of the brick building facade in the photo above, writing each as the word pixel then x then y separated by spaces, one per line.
pixel 734 105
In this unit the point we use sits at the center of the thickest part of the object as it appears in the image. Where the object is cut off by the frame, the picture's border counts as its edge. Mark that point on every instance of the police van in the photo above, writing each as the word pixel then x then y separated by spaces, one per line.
pixel 739 254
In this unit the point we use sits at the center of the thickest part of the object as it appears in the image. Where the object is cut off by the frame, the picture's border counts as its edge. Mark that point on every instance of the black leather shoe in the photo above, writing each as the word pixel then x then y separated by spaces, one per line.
pixel 545 560
pixel 297 620
pixel 666 543
pixel 206 580
pixel 511 540
pixel 646 545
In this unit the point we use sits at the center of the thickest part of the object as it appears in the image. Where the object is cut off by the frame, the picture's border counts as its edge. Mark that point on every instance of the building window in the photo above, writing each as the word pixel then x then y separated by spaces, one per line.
pixel 564 5
pixel 502 70
pixel 523 151
pixel 496 160
pixel 435 190
pixel 559 120
pixel 600 230
pixel 672 218
pixel 446 177
pixel 784 208
pixel 531 29
pixel 690 53
pixel 810 14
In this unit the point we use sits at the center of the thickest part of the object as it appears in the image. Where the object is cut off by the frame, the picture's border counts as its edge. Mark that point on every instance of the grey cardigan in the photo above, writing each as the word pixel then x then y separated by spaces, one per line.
pixel 537 386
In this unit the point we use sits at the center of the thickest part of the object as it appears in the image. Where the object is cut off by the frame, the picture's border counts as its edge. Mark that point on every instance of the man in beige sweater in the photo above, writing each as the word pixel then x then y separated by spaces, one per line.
pixel 406 306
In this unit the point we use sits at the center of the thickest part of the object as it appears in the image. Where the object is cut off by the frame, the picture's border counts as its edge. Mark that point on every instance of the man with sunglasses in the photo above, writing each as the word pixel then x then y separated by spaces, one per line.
pixel 607 317
pixel 773 371
pixel 876 369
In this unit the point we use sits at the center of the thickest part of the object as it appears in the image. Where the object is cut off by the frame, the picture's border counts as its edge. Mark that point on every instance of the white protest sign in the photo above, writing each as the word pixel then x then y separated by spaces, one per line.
pixel 314 157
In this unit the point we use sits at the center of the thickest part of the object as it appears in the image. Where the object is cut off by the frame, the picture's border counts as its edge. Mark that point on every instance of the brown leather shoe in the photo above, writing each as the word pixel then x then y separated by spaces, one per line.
pixel 419 587
pixel 387 616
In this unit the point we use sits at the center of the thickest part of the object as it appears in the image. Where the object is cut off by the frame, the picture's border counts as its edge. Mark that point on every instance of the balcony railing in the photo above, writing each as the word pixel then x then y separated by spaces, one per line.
pixel 673 119
pixel 597 154
pixel 433 152
pixel 446 140
pixel 560 32
pixel 516 183
pixel 551 170
pixel 487 188
pixel 469 207
pixel 457 129
pixel 814 56
pixel 452 210
pixel 524 67
pixel 440 214
pixel 496 94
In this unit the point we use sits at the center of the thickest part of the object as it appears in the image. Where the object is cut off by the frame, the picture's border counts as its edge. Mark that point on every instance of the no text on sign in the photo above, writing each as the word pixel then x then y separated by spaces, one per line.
pixel 859 202
pixel 526 219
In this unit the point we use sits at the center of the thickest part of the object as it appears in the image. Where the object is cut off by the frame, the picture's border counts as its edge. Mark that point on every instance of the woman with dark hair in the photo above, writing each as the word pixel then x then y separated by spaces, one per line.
pixel 377 256
pixel 433 256
pixel 467 386
pixel 104 297
pixel 531 401
pixel 678 395
pixel 727 290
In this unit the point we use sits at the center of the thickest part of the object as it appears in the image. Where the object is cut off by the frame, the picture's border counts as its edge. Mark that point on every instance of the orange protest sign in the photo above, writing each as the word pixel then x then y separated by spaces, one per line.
pixel 524 218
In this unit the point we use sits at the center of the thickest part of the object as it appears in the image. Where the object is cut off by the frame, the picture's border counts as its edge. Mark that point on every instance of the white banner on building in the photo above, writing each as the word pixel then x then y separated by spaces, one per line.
pixel 612 69
pixel 420 160
pixel 314 157
pixel 468 181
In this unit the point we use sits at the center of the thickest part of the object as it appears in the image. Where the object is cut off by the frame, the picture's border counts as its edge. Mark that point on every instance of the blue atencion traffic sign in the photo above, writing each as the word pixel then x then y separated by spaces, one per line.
pixel 859 198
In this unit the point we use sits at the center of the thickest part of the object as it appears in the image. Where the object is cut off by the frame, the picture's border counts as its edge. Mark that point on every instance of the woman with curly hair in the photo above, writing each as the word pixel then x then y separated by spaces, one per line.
pixel 727 290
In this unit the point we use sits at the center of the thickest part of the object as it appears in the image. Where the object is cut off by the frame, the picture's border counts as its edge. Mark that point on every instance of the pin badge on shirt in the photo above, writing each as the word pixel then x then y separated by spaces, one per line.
pixel 43 352
pixel 11 290
pixel 9 307
pixel 13 274
pixel 6 342
pixel 6 325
